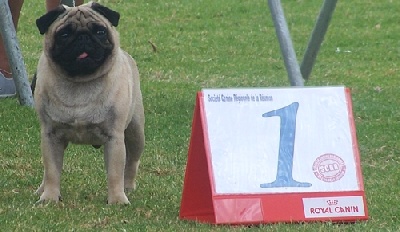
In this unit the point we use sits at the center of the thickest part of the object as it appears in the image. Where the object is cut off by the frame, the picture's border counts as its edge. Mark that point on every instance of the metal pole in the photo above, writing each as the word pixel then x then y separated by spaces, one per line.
pixel 317 37
pixel 285 43
pixel 14 55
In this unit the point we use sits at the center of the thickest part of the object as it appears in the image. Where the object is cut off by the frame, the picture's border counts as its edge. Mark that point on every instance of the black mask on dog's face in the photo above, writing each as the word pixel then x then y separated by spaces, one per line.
pixel 81 51
pixel 81 44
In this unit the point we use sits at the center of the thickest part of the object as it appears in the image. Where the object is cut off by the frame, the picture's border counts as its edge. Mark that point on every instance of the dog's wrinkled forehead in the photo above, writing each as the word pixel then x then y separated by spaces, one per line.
pixel 80 19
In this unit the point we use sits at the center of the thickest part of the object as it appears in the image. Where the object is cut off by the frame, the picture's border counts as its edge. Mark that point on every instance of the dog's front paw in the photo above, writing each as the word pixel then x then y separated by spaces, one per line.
pixel 118 199
pixel 49 197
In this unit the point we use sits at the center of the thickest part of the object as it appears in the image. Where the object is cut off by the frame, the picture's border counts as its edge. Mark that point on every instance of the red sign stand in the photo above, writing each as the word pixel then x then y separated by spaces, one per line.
pixel 201 202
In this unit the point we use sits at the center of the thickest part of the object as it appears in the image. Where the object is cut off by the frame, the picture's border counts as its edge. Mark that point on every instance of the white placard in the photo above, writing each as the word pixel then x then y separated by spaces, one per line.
pixel 280 140
pixel 321 207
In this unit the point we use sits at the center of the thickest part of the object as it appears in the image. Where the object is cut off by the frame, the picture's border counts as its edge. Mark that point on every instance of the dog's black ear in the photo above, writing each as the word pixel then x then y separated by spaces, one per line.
pixel 109 14
pixel 44 22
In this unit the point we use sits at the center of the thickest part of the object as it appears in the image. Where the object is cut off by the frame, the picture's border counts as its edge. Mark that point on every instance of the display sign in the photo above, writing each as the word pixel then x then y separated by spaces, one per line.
pixel 273 155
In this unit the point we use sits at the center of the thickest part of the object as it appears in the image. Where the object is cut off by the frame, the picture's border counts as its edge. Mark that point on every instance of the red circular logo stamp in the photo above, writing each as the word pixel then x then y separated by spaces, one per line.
pixel 329 167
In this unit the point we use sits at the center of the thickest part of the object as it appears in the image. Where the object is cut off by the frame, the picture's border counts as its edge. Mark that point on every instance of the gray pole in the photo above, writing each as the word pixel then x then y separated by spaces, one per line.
pixel 317 37
pixel 14 55
pixel 285 43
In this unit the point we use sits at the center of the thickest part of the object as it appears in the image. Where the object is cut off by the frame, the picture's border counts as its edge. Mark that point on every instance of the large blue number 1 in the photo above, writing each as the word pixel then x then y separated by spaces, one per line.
pixel 284 177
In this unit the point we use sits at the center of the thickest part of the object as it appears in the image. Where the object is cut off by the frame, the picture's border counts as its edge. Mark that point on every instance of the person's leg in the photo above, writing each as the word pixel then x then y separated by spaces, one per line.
pixel 7 86
pixel 78 2
pixel 15 8
pixel 51 4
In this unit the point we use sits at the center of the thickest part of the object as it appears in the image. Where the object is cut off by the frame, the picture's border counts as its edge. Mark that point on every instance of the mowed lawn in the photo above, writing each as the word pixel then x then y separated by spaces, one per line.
pixel 182 47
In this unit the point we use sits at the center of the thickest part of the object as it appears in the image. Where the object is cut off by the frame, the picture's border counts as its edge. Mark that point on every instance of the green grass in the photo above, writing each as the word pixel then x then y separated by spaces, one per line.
pixel 209 44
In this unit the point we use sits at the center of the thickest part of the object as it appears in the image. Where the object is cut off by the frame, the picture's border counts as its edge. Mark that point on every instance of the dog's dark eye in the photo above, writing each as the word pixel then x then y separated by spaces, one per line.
pixel 64 33
pixel 98 29
pixel 101 32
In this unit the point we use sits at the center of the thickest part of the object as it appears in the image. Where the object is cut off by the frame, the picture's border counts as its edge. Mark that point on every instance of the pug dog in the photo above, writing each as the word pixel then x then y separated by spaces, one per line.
pixel 88 92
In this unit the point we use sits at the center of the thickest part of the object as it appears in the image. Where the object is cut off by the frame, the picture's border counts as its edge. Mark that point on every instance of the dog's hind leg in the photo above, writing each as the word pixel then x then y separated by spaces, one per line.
pixel 134 145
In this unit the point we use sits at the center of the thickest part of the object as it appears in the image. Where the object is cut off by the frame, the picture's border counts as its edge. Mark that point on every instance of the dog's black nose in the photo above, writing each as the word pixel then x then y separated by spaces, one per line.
pixel 84 37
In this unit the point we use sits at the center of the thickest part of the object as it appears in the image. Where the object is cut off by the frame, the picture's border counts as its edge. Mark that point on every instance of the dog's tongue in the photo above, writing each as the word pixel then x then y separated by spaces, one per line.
pixel 83 55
